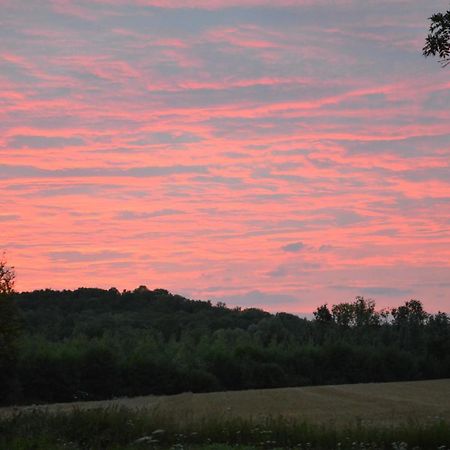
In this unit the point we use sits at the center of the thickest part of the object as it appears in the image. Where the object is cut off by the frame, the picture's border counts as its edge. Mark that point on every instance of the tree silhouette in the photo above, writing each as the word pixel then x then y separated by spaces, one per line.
pixel 7 276
pixel 9 331
pixel 323 315
pixel 437 42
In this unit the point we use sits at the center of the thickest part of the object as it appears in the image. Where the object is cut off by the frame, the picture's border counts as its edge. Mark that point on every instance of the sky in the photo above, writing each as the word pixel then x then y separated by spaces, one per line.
pixel 267 154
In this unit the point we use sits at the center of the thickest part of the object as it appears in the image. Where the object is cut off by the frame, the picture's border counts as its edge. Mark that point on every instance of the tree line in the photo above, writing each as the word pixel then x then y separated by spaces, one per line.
pixel 90 344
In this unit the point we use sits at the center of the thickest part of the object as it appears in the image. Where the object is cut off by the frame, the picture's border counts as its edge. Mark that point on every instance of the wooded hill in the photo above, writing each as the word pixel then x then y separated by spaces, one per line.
pixel 98 344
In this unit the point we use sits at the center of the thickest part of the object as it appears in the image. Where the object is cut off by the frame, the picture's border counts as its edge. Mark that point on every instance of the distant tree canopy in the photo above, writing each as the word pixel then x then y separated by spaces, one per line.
pixel 437 42
pixel 96 343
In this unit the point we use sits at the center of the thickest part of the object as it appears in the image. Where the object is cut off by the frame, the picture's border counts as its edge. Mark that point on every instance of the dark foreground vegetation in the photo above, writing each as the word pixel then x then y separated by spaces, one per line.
pixel 92 344
pixel 123 429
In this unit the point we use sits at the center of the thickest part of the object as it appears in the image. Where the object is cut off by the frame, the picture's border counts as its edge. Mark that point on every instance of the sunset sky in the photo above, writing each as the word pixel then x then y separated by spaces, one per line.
pixel 278 154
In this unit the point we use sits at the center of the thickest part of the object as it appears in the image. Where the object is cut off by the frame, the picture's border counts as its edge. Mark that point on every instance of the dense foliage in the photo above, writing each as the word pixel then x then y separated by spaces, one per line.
pixel 95 344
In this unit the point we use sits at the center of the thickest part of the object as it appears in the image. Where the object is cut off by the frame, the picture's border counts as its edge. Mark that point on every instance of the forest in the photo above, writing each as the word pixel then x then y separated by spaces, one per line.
pixel 91 344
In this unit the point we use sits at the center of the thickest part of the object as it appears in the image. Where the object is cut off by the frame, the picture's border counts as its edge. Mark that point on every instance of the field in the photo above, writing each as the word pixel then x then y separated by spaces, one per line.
pixel 374 403
pixel 401 415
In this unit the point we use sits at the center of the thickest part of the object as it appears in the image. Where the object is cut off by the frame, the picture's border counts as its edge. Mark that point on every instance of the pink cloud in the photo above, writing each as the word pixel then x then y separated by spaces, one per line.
pixel 189 158
pixel 219 4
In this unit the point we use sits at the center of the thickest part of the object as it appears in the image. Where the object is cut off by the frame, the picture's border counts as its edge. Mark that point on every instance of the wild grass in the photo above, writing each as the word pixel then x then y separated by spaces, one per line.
pixel 119 428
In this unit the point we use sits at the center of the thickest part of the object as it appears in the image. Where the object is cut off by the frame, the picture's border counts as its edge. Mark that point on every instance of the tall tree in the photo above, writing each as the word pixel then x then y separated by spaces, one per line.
pixel 437 42
pixel 323 315
pixel 7 276
pixel 9 331
pixel 411 313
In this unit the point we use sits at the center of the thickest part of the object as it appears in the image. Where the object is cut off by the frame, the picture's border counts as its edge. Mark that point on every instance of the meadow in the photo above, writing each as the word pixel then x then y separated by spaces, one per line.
pixel 398 415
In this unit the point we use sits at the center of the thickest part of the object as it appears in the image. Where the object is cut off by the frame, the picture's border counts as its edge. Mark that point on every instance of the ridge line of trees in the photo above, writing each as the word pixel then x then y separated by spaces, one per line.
pixel 97 344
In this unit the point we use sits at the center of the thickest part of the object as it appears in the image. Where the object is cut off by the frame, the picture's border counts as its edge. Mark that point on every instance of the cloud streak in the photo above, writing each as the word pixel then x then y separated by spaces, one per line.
pixel 277 155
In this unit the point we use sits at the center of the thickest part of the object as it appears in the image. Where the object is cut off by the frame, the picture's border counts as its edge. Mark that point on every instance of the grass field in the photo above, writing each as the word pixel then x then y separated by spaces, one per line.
pixel 399 416
pixel 374 403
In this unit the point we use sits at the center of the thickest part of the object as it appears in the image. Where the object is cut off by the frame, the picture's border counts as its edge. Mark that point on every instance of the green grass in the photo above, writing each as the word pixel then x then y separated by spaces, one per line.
pixel 120 428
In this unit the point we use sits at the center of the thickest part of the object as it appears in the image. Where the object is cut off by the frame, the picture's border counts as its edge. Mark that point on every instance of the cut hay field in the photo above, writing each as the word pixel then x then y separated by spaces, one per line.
pixel 371 404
